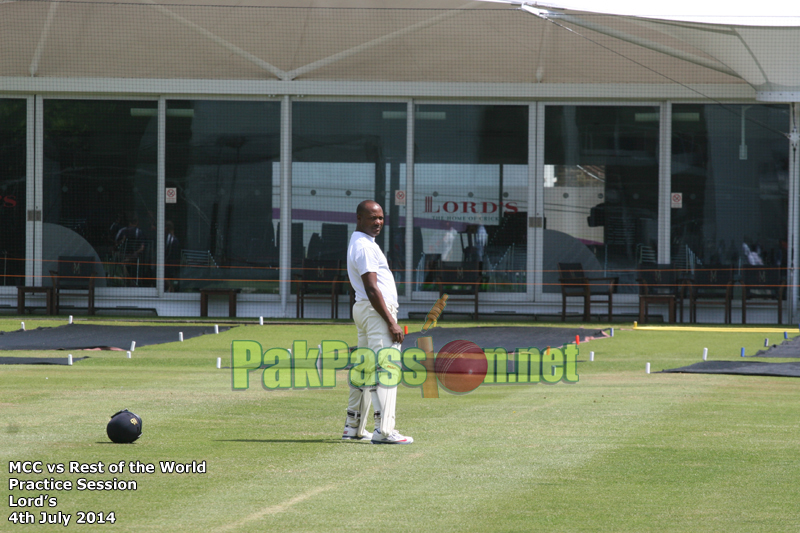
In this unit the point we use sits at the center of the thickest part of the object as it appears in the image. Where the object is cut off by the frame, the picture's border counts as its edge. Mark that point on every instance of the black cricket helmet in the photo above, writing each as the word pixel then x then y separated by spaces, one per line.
pixel 124 426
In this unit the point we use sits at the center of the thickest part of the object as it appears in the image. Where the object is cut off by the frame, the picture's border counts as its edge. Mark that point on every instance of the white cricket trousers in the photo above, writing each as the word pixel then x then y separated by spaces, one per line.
pixel 373 333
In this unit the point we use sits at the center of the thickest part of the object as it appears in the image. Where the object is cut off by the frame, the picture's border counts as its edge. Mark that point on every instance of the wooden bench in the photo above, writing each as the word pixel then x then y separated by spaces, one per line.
pixel 231 293
pixel 462 280
pixel 764 286
pixel 47 291
pixel 75 273
pixel 646 299
pixel 659 284
pixel 320 279
pixel 575 284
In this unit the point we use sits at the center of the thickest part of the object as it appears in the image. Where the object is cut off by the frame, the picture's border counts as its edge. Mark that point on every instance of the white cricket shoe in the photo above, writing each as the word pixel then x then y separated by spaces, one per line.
pixel 392 438
pixel 351 433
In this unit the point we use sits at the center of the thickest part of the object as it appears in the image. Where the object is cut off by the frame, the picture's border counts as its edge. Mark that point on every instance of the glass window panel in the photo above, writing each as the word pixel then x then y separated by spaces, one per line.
pixel 223 159
pixel 13 151
pixel 344 153
pixel 600 190
pixel 731 165
pixel 100 176
pixel 470 192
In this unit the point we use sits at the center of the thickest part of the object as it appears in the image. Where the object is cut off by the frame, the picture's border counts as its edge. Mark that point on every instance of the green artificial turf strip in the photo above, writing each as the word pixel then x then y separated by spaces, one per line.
pixel 620 450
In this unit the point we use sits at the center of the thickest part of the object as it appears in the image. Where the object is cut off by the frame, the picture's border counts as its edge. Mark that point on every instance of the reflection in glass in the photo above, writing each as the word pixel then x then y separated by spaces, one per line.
pixel 100 178
pixel 342 154
pixel 222 160
pixel 13 126
pixel 600 190
pixel 730 163
pixel 470 191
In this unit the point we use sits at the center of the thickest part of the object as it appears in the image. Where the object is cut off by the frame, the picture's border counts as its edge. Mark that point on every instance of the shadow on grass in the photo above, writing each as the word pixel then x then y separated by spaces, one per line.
pixel 307 441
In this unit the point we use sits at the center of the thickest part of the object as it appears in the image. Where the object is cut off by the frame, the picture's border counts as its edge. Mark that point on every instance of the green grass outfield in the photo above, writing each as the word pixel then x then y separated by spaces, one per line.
pixel 621 450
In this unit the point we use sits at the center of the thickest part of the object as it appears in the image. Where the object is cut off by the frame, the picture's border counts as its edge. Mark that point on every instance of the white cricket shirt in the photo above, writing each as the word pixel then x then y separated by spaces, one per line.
pixel 364 255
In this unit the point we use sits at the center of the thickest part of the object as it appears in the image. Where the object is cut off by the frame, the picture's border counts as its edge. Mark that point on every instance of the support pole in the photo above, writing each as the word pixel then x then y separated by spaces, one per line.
pixel 409 236
pixel 286 203
pixel 665 183
pixel 793 236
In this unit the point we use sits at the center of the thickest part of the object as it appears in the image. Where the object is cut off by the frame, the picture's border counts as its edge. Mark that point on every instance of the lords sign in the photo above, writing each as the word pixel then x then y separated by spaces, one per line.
pixel 480 211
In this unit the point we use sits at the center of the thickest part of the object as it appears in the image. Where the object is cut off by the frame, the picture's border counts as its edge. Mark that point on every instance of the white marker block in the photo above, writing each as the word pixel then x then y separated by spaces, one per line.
pixel 219 362
pixel 647 368
pixel 612 332
pixel 766 342
pixel 70 319
pixel 591 356
pixel 133 346
pixel 261 321
pixel 23 326
pixel 69 359
pixel 180 336
pixel 216 328
pixel 705 354
pixel 129 355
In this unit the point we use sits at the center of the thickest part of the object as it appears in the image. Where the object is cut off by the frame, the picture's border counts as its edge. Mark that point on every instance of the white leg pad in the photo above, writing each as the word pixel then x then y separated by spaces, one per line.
pixel 358 403
pixel 366 400
pixel 385 399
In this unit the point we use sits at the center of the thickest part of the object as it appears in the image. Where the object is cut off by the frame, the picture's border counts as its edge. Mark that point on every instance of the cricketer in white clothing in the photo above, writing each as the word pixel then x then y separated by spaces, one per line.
pixel 375 315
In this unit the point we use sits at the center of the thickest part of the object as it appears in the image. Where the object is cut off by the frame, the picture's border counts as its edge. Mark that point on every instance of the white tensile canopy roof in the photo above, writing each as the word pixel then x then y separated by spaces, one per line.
pixel 436 41
pixel 762 56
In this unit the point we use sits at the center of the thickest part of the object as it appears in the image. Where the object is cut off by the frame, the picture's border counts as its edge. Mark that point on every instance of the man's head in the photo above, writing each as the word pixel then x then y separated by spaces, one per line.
pixel 370 218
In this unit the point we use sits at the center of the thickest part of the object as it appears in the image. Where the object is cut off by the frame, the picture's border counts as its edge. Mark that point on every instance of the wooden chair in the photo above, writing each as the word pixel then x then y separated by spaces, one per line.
pixel 461 281
pixel 319 279
pixel 763 286
pixel 659 284
pixel 712 284
pixel 575 284
pixel 74 274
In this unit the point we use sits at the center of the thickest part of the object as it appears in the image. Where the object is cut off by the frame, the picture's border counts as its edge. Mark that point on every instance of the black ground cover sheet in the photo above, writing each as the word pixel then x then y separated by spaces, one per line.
pixel 752 368
pixel 509 338
pixel 788 349
pixel 87 336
